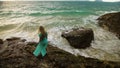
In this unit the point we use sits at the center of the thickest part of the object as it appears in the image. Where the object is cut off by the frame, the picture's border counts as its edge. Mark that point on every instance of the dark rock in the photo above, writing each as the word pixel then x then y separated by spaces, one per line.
pixel 79 38
pixel 1 41
pixel 32 43
pixel 19 55
pixel 23 40
pixel 111 22
pixel 13 38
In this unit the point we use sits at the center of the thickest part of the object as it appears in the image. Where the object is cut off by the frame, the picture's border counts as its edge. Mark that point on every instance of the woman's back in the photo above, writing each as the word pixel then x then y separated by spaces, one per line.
pixel 43 37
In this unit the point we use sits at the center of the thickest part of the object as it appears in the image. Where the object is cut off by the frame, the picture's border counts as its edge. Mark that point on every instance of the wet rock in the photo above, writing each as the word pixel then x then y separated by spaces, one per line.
pixel 1 41
pixel 111 22
pixel 23 40
pixel 59 58
pixel 32 43
pixel 80 37
pixel 20 55
pixel 13 38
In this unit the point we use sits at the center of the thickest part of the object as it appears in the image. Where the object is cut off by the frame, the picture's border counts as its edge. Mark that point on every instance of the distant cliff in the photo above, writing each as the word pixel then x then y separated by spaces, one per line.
pixel 111 22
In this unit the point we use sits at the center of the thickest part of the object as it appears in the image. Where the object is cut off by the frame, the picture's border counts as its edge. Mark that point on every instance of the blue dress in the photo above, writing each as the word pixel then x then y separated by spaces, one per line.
pixel 41 47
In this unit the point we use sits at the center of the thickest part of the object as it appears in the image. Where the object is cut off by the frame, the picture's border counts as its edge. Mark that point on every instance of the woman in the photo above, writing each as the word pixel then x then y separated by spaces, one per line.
pixel 43 42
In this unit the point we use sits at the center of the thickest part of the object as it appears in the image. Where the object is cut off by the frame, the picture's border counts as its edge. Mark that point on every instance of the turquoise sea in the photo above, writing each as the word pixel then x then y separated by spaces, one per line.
pixel 22 19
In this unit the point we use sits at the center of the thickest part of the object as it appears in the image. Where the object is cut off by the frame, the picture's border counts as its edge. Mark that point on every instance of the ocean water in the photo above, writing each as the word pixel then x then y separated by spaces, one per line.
pixel 22 19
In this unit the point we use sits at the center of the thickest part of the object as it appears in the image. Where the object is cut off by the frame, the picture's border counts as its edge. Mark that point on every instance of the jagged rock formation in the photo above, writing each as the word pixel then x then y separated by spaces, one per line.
pixel 111 22
pixel 80 37
pixel 18 54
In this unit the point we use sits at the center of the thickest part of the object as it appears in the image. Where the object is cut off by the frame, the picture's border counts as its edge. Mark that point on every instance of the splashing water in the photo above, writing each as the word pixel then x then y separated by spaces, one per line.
pixel 22 19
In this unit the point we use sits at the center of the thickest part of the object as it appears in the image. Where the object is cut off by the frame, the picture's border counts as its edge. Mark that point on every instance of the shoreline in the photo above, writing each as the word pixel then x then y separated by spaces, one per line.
pixel 18 53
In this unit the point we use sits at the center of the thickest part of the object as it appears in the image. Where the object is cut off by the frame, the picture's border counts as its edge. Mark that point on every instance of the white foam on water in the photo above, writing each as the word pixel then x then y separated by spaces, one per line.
pixel 104 47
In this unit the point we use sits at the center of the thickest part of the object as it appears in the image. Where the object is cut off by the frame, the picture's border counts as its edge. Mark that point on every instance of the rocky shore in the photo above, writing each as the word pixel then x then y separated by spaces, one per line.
pixel 79 37
pixel 17 53
pixel 111 22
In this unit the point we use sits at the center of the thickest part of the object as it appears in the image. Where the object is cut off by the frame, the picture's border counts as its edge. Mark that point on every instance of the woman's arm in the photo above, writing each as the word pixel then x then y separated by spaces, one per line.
pixel 39 39
pixel 39 36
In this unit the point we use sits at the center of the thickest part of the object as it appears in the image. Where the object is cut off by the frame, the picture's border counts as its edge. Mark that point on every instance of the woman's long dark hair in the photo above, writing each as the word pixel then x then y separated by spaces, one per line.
pixel 43 32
